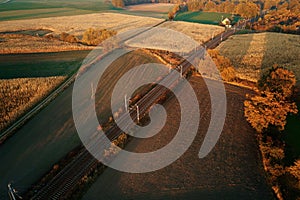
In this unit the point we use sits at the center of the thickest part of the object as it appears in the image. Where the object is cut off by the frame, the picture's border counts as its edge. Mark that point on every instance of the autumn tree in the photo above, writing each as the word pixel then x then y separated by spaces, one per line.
pixel 247 10
pixel 210 6
pixel 118 3
pixel 68 37
pixel 279 81
pixel 272 104
pixel 223 64
pixel 96 36
pixel 195 5
pixel 172 13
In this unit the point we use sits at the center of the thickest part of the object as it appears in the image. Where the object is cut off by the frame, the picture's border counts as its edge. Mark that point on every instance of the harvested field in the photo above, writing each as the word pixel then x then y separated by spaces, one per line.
pixel 76 25
pixel 233 170
pixel 51 134
pixel 18 43
pixel 18 95
pixel 199 32
pixel 151 7
pixel 252 54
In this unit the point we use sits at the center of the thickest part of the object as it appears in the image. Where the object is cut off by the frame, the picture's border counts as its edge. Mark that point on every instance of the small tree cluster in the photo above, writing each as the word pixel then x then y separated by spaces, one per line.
pixel 68 37
pixel 96 36
pixel 244 9
pixel 224 65
pixel 118 3
pixel 172 13
pixel 294 170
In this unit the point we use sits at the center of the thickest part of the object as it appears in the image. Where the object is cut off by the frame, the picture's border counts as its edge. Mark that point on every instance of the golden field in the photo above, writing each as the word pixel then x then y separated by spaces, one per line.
pixel 77 24
pixel 20 94
pixel 16 43
pixel 253 54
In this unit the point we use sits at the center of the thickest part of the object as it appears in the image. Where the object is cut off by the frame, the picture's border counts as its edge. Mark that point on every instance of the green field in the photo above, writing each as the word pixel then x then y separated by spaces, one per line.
pixel 203 17
pixel 25 9
pixel 29 9
pixel 144 13
pixel 40 64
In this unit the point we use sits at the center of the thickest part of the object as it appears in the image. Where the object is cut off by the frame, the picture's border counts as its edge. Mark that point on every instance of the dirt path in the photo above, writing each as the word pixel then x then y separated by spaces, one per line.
pixel 233 170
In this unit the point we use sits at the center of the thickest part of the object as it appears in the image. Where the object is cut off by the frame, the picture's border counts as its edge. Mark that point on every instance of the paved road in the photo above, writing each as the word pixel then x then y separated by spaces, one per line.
pixel 233 170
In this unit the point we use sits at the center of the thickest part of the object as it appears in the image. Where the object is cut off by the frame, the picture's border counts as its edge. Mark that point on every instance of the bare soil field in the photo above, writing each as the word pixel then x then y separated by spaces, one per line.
pixel 172 36
pixel 151 7
pixel 17 43
pixel 199 32
pixel 233 170
pixel 252 54
pixel 18 95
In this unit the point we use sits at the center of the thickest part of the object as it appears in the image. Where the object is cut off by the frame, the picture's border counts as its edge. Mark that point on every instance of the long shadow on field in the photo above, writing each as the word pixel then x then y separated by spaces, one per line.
pixel 233 170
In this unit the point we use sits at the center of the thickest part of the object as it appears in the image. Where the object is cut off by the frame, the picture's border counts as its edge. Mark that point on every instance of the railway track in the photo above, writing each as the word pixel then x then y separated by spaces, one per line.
pixel 67 178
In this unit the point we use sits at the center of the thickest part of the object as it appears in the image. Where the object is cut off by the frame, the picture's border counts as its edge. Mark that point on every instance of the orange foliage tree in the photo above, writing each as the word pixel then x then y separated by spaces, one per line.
pixel 223 64
pixel 272 104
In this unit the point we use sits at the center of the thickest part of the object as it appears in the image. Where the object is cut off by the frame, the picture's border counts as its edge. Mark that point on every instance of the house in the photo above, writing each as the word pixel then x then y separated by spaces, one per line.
pixel 226 22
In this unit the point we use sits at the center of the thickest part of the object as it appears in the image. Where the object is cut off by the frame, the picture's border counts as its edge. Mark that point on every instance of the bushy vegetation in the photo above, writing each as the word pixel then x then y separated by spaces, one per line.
pixel 224 65
pixel 18 95
pixel 246 10
pixel 273 102
pixel 267 113
pixel 96 36
pixel 68 37
pixel 283 16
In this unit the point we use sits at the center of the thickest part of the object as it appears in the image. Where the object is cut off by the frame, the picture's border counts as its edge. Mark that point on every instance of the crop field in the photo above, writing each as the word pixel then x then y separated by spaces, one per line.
pixel 159 15
pixel 76 25
pixel 18 95
pixel 40 13
pixel 203 17
pixel 22 9
pixel 51 134
pixel 252 54
pixel 233 170
pixel 152 7
pixel 19 43
pixel 40 64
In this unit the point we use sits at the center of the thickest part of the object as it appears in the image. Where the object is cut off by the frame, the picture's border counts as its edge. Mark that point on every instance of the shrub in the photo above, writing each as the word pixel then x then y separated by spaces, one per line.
pixel 224 65
pixel 228 74
pixel 68 37
pixel 295 171
pixel 96 36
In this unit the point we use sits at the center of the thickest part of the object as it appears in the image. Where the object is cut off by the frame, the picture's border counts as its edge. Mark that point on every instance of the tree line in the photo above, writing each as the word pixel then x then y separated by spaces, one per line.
pixel 267 112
